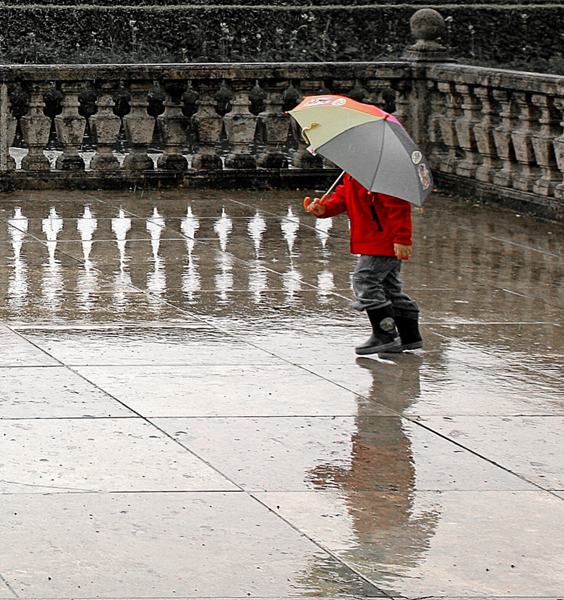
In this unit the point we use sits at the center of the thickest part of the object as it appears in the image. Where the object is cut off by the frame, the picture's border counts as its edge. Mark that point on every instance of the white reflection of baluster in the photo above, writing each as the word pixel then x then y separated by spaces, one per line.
pixel 52 278
pixel 87 281
pixel 256 227
pixel 257 281
pixel 191 278
pixel 189 226
pixel 223 227
pixel 290 226
pixel 292 282
pixel 325 285
pixel 120 226
pixel 257 274
pixel 18 283
pixel 156 282
pixel 155 226
pixel 86 226
pixel 292 279
pixel 322 228
pixel 224 280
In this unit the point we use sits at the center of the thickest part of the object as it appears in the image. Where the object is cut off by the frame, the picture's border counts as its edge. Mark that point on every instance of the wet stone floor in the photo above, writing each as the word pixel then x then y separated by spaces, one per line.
pixel 183 416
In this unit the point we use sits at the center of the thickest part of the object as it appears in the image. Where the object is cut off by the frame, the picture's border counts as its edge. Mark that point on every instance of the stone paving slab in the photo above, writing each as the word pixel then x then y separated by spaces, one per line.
pixel 182 413
pixel 293 453
pixel 430 541
pixel 163 545
pixel 254 390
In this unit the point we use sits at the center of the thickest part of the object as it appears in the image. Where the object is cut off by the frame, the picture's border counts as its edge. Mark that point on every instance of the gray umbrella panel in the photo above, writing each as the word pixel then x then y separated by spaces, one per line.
pixel 382 157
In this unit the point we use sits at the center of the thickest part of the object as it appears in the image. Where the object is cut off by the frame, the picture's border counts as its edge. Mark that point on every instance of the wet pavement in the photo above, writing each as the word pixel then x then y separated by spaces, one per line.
pixel 183 414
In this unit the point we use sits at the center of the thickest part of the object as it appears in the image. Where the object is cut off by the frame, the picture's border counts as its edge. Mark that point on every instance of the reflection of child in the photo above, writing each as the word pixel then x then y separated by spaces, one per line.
pixel 381 234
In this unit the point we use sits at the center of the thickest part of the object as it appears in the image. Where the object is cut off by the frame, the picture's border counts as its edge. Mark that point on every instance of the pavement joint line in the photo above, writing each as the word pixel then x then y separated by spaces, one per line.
pixel 333 555
pixel 487 353
pixel 7 584
pixel 154 426
pixel 474 452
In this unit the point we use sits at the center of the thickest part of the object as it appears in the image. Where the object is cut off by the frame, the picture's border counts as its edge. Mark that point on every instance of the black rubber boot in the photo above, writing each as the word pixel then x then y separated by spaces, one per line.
pixel 385 337
pixel 409 333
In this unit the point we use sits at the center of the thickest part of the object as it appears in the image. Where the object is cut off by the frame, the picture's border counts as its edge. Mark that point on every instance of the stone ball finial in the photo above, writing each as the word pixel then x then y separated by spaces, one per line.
pixel 427 25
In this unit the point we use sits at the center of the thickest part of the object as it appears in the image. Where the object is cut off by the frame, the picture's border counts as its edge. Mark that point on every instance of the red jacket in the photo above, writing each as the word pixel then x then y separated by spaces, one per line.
pixel 378 221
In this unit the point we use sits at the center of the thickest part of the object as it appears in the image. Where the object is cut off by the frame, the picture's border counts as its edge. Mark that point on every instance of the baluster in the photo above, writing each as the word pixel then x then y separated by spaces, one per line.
pixel 240 127
pixel 172 127
pixel 483 131
pixel 402 88
pixel 36 127
pixel 139 128
pixel 559 148
pixel 543 145
pixel 208 125
pixel 302 158
pixel 8 124
pixel 503 140
pixel 105 125
pixel 376 90
pixel 522 138
pixel 436 149
pixel 465 131
pixel 276 127
pixel 70 127
pixel 448 128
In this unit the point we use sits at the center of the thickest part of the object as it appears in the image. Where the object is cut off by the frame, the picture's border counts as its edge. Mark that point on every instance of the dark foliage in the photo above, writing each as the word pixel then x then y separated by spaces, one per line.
pixel 504 34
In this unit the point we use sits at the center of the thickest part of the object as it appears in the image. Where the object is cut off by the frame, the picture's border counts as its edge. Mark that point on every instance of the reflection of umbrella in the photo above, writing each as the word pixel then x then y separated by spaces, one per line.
pixel 368 143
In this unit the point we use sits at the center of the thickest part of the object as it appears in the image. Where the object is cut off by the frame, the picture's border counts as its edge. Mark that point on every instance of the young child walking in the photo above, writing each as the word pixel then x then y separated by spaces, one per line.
pixel 381 234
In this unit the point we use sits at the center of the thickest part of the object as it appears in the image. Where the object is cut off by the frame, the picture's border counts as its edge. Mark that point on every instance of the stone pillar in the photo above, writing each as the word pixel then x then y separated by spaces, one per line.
pixel 139 128
pixel 483 131
pixel 276 126
pixel 70 127
pixel 36 127
pixel 208 125
pixel 503 139
pixel 172 127
pixel 522 137
pixel 543 145
pixel 427 27
pixel 8 124
pixel 465 131
pixel 240 128
pixel 105 125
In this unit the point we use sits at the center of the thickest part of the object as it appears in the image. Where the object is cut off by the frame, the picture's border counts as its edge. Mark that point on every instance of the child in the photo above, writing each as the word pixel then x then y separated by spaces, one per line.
pixel 381 234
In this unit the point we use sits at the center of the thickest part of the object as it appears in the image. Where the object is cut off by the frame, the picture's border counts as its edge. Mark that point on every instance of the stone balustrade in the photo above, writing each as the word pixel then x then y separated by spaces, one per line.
pixel 495 134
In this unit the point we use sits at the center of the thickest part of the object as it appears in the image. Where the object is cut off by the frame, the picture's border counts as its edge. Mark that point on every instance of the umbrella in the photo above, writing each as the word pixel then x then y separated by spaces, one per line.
pixel 368 143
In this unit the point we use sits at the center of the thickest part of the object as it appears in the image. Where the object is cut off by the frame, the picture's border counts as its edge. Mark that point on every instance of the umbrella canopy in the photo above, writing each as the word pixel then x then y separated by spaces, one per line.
pixel 368 143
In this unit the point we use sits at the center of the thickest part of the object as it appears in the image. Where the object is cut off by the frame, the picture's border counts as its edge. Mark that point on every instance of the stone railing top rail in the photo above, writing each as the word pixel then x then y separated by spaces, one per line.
pixel 218 71
pixel 497 78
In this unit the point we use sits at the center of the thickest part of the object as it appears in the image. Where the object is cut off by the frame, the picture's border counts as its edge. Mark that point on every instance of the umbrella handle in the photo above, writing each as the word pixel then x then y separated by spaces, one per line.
pixel 307 200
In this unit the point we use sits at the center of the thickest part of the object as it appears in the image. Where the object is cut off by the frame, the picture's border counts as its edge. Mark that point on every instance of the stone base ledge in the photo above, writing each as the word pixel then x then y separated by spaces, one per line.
pixel 260 179
pixel 543 207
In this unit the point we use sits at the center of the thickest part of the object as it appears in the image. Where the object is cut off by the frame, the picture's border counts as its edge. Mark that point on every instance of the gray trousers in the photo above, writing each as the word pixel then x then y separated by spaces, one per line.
pixel 377 283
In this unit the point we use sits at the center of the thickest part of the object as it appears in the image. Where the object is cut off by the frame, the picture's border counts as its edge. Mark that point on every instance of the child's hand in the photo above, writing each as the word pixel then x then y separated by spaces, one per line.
pixel 403 251
pixel 316 207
